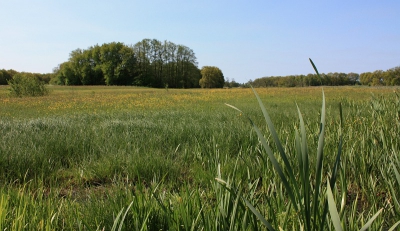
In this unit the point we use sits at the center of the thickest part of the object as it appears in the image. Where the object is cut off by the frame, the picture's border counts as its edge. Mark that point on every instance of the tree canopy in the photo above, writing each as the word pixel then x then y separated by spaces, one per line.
pixel 110 64
pixel 147 63
pixel 5 76
pixel 211 77
pixel 162 64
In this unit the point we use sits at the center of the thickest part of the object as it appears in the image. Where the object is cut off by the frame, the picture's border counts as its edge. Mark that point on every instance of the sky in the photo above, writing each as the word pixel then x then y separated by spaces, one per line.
pixel 246 39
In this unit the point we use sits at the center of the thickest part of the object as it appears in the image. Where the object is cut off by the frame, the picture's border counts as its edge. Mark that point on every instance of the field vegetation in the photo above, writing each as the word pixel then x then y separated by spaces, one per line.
pixel 131 158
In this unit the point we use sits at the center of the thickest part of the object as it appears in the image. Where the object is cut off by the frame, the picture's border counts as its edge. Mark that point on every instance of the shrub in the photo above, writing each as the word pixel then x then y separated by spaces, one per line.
pixel 25 84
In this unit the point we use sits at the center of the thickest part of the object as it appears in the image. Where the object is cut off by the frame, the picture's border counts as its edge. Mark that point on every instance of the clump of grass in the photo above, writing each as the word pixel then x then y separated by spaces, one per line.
pixel 307 197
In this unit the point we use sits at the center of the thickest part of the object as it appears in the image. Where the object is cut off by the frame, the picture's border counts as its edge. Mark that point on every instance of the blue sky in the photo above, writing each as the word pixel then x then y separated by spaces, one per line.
pixel 245 39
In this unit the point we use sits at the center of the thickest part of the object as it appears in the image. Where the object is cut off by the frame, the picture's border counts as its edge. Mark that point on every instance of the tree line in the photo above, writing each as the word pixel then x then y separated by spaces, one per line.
pixel 149 62
pixel 391 77
pixel 153 63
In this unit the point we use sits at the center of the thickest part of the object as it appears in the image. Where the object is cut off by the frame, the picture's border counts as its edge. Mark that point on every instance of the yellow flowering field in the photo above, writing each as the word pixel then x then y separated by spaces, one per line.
pixel 96 99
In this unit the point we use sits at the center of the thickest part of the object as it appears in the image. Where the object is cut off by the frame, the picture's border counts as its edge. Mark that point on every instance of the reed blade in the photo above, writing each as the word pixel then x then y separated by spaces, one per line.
pixel 259 216
pixel 332 210
pixel 318 167
pixel 281 151
pixel 369 223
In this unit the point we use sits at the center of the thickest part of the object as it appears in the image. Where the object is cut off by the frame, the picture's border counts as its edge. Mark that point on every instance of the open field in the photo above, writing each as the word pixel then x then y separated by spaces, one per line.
pixel 76 158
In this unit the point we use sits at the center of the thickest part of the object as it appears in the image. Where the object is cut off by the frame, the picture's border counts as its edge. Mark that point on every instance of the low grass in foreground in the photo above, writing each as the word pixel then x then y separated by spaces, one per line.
pixel 94 158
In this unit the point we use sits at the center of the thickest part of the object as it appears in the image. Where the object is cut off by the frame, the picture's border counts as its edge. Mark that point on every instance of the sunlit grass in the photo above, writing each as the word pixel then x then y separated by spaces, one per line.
pixel 84 154
pixel 94 100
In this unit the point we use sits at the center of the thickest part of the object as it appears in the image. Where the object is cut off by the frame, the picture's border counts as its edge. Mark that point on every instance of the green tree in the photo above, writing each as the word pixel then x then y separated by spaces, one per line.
pixel 366 78
pixel 157 62
pixel 231 83
pixel 170 71
pixel 392 76
pixel 27 84
pixel 148 63
pixel 144 76
pixel 211 77
pixel 377 78
pixel 89 68
pixel 165 63
pixel 353 78
pixel 66 75
pixel 111 64
pixel 192 76
pixel 188 73
pixel 117 64
pixel 3 80
pixel 5 76
pixel 313 80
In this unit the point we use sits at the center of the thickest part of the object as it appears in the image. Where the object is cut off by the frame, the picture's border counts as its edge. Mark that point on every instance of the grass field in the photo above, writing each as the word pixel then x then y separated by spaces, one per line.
pixel 124 158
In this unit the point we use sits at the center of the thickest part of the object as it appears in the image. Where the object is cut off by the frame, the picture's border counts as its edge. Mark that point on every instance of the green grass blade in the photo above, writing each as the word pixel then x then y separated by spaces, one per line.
pixel 369 223
pixel 339 153
pixel 396 172
pixel 304 149
pixel 282 153
pixel 396 202
pixel 123 217
pixel 319 163
pixel 335 167
pixel 276 165
pixel 321 135
pixel 237 109
pixel 394 226
pixel 234 211
pixel 299 154
pixel 271 128
pixel 316 70
pixel 392 188
pixel 144 224
pixel 231 190
pixel 332 210
pixel 116 220
pixel 200 214
pixel 259 216
pixel 273 160
pixel 304 169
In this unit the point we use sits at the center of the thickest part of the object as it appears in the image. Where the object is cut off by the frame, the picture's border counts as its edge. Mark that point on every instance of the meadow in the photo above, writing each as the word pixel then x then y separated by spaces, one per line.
pixel 128 158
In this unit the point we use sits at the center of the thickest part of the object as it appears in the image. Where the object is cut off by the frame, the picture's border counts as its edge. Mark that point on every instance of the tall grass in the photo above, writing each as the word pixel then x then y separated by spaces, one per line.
pixel 93 164
pixel 305 196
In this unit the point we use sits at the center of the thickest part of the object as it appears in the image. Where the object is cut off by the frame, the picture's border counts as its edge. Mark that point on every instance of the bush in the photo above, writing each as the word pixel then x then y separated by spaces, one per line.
pixel 25 84
pixel 4 77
